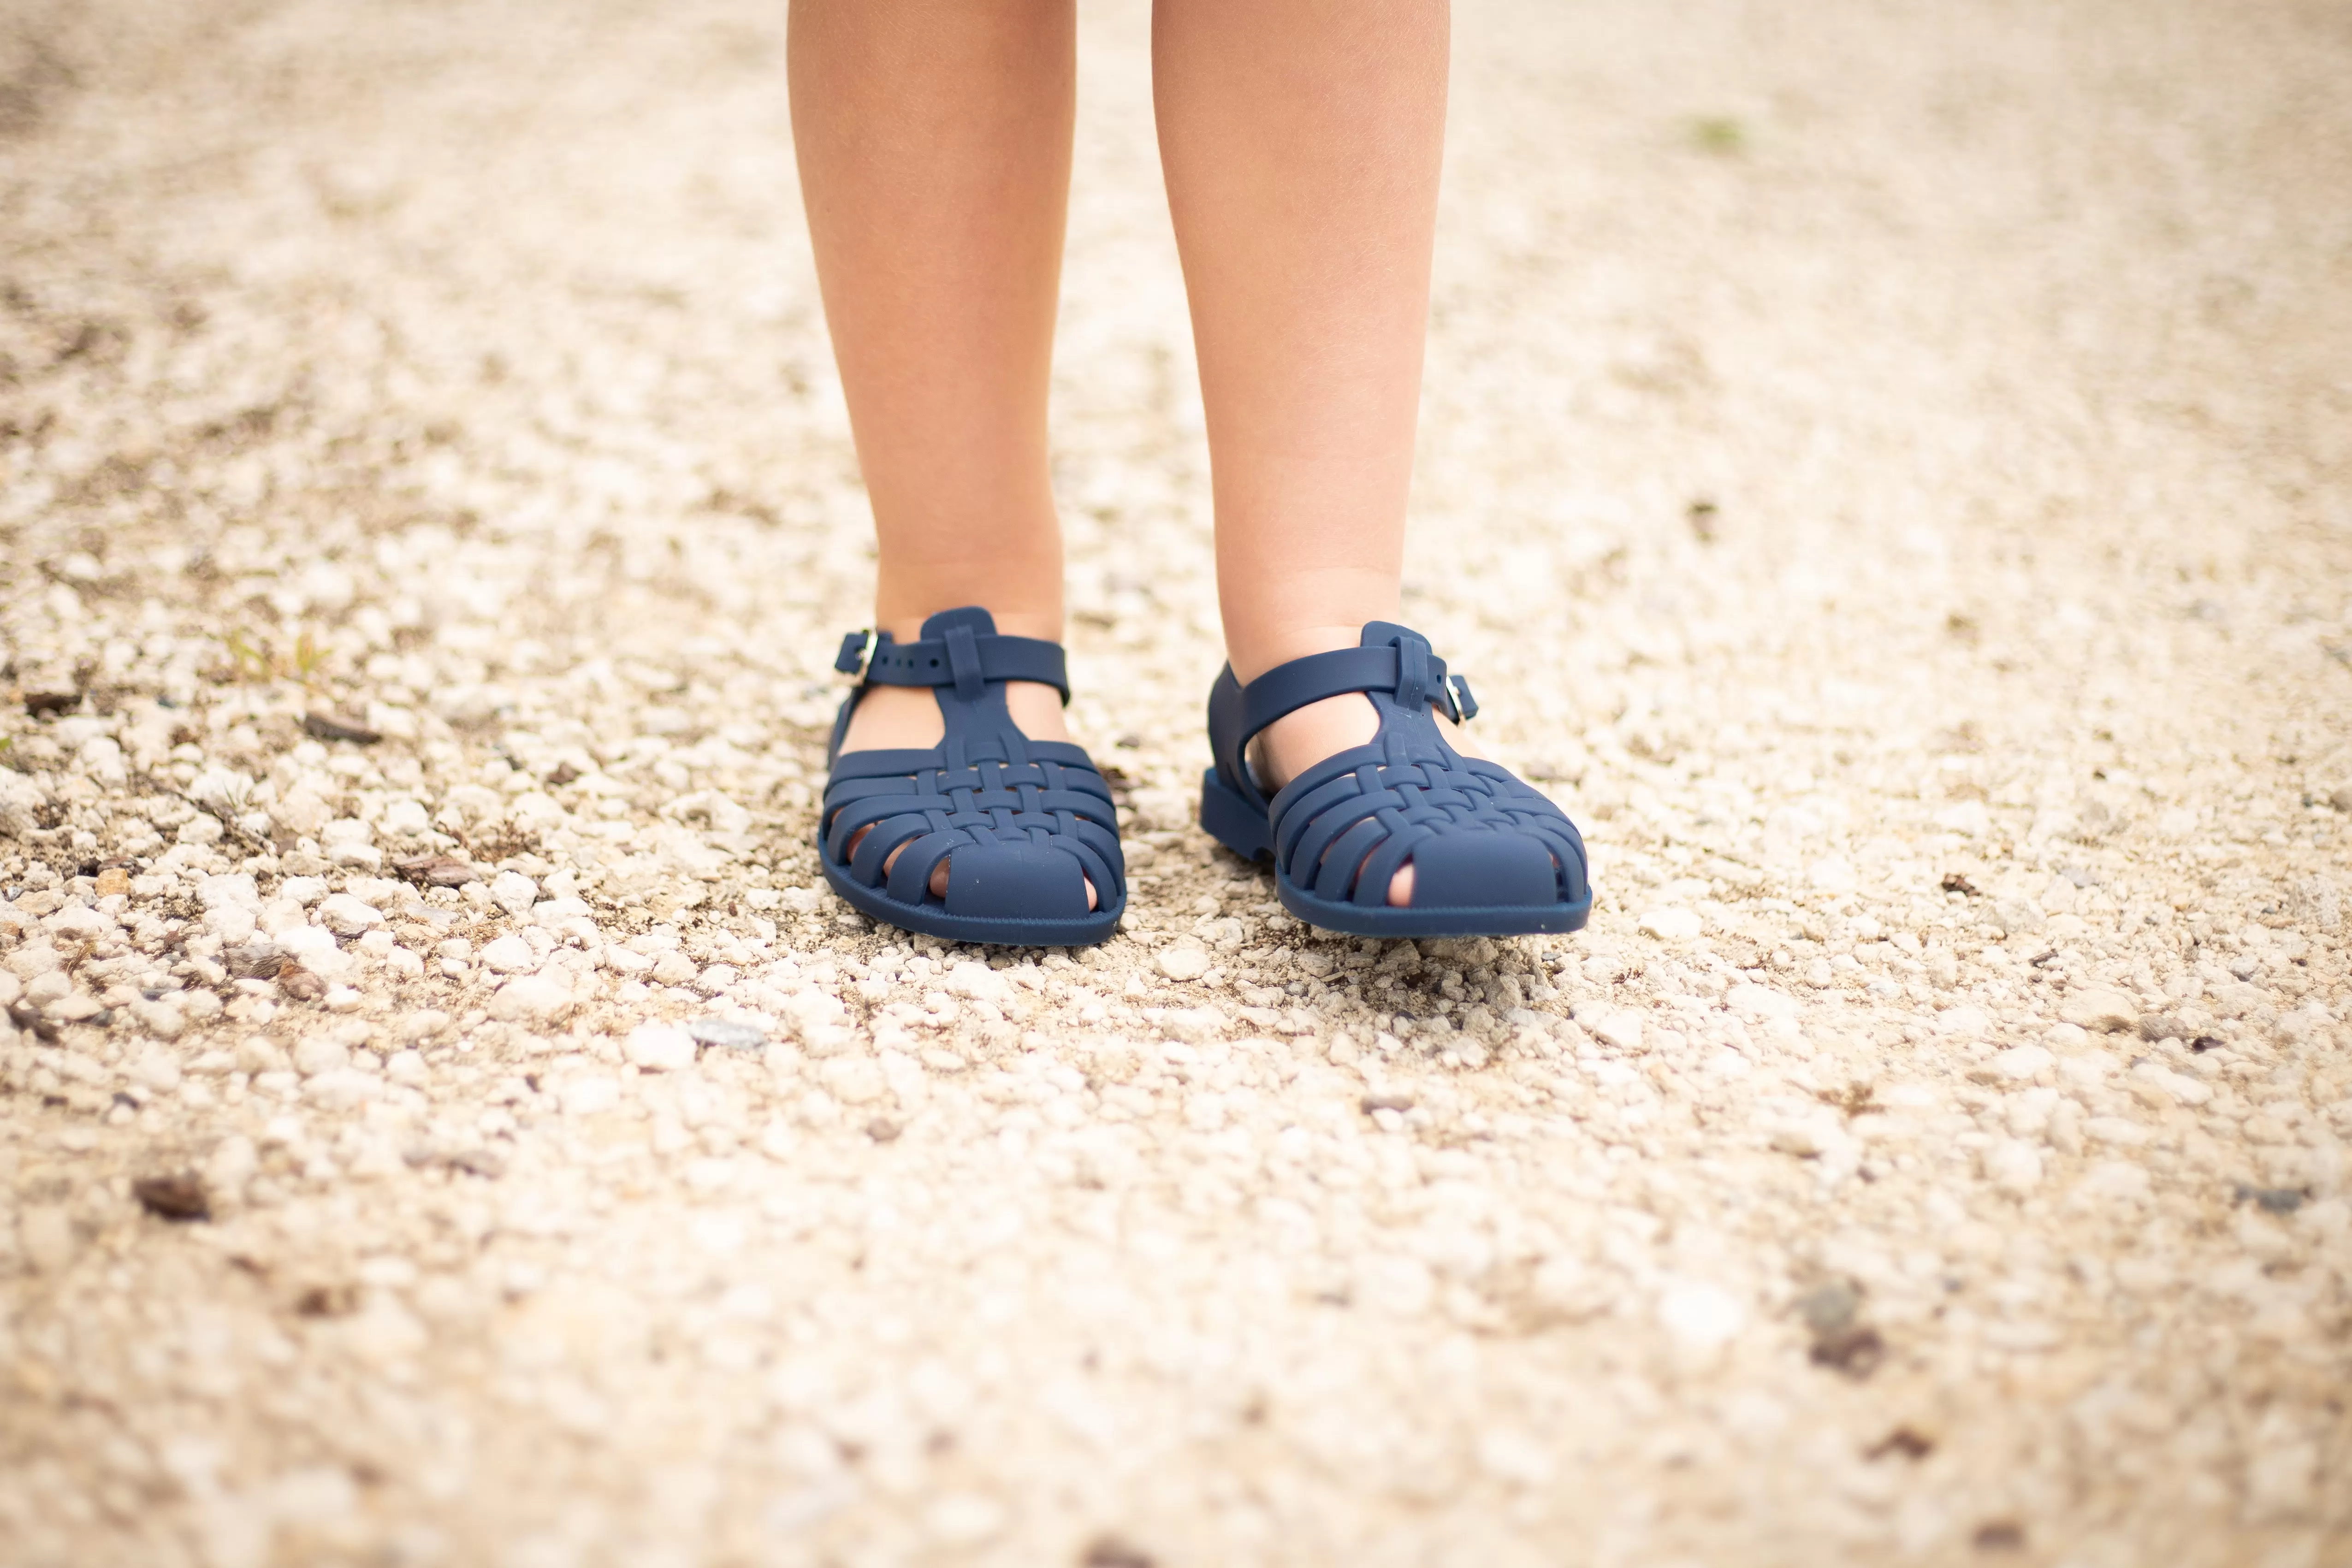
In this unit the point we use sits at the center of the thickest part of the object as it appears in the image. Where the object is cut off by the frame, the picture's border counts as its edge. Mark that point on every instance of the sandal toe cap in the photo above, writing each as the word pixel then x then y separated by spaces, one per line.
pixel 1016 880
pixel 1493 870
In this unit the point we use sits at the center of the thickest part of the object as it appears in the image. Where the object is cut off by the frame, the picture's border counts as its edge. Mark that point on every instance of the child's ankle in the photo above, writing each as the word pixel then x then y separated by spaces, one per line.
pixel 1268 649
pixel 895 717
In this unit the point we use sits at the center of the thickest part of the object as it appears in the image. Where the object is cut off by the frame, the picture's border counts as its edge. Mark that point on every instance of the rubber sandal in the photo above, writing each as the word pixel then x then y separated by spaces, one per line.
pixel 1028 822
pixel 1491 856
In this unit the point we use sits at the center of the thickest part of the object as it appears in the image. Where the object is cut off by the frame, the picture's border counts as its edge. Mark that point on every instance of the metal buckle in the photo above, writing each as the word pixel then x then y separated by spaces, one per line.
pixel 865 659
pixel 1463 705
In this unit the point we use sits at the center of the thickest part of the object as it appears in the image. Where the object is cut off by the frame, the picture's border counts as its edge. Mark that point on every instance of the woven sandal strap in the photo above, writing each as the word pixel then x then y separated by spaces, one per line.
pixel 962 657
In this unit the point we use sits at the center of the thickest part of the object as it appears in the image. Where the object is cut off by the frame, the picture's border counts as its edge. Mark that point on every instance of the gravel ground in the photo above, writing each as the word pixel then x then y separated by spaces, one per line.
pixel 1888 468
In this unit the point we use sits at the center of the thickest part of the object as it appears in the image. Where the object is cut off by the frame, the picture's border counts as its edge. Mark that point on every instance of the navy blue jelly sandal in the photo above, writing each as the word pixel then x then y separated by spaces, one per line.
pixel 1028 823
pixel 1491 856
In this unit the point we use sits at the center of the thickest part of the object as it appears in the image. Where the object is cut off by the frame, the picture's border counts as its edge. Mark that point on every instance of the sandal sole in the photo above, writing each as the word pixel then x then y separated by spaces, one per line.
pixel 1233 822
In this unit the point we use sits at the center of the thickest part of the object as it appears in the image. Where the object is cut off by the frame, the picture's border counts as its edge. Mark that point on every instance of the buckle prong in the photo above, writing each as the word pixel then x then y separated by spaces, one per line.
pixel 1458 688
pixel 872 639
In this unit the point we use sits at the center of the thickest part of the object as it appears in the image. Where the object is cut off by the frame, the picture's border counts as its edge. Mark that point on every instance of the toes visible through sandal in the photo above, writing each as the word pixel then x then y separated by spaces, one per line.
pixel 1490 855
pixel 1024 826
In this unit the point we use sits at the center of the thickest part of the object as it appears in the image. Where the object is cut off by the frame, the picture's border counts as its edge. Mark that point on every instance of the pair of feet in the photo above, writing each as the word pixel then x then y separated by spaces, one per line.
pixel 1381 826
pixel 899 717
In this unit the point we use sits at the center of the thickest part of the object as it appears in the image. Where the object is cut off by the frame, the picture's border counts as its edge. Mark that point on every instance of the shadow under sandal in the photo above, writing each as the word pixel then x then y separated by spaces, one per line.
pixel 1491 856
pixel 1023 824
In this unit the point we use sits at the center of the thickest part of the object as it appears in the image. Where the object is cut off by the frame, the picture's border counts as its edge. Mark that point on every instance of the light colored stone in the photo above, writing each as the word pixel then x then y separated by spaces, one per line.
pixel 2018 1064
pixel 513 892
pixel 2099 1011
pixel 1760 1003
pixel 427 1023
pixel 2175 1088
pixel 976 981
pixel 317 1053
pixel 347 916
pixel 1970 819
pixel 1805 1137
pixel 2298 1025
pixel 235 888
pixel 2013 1166
pixel 33 961
pixel 589 1094
pixel 231 924
pixel 80 924
pixel 2116 1180
pixel 79 1007
pixel 659 1048
pixel 1183 961
pixel 813 1011
pixel 340 1090
pixel 1195 1023
pixel 159 1018
pixel 853 1080
pixel 232 1164
pixel 1670 924
pixel 508 956
pixel 156 1068
pixel 2115 1131
pixel 1833 875
pixel 102 758
pixel 1700 1315
pixel 960 1521
pixel 556 913
pixel 532 999
pixel 2029 1112
pixel 1622 1029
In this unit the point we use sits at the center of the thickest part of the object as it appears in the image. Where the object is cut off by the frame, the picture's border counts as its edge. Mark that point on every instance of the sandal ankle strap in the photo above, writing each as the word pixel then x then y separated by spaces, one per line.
pixel 963 658
pixel 1401 663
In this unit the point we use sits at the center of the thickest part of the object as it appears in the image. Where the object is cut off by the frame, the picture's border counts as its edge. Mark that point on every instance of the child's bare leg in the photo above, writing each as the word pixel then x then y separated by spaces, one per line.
pixel 1302 141
pixel 934 145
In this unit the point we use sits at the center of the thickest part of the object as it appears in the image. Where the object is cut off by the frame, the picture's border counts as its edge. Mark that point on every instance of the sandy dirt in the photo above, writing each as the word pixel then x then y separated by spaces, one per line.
pixel 1888 471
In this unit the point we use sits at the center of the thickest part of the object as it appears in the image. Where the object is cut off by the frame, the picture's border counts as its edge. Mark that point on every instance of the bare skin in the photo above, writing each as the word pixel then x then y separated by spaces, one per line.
pixel 934 146
pixel 1301 141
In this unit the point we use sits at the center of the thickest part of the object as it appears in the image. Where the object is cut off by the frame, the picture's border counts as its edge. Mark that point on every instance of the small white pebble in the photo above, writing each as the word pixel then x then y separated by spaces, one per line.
pixel 348 916
pixel 2013 1166
pixel 1670 924
pixel 659 1048
pixel 1700 1315
pixel 1183 961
